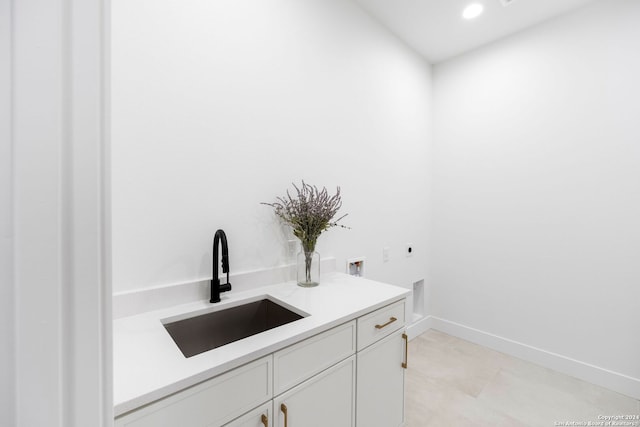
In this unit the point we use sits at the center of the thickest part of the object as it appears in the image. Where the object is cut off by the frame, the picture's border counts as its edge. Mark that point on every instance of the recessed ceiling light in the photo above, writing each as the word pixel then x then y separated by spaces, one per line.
pixel 472 11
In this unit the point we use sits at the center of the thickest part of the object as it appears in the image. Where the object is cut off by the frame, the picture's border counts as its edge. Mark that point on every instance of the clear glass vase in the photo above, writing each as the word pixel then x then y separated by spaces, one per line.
pixel 308 269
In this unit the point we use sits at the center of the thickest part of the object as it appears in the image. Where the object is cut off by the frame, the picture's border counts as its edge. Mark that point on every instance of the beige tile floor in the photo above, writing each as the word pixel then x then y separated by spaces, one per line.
pixel 452 382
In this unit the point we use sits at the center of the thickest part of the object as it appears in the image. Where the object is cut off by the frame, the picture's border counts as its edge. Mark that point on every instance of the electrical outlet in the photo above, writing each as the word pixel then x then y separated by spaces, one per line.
pixel 409 250
pixel 385 253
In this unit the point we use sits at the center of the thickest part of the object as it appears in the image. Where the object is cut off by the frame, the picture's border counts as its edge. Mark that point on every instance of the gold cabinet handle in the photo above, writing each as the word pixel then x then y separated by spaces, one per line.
pixel 391 320
pixel 406 351
pixel 265 420
pixel 283 408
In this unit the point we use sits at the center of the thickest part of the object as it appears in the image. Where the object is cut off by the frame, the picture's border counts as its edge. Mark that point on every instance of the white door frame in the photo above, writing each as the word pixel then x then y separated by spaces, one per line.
pixel 61 214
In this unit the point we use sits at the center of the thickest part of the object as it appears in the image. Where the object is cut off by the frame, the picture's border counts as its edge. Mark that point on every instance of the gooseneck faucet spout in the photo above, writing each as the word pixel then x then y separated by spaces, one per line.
pixel 216 287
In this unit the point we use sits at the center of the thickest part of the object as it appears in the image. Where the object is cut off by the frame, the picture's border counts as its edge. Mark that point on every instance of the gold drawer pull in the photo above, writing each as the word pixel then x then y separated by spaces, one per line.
pixel 391 320
pixel 264 420
pixel 406 351
pixel 283 408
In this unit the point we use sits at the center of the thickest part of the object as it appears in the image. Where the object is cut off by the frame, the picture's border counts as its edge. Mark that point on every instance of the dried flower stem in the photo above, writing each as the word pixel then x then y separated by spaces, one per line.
pixel 309 213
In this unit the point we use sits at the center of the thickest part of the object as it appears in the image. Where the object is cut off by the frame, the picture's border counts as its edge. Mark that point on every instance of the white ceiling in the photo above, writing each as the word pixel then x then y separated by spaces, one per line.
pixel 436 30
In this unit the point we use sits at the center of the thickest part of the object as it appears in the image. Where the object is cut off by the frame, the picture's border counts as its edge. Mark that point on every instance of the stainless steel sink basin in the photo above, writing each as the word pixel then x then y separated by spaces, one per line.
pixel 198 334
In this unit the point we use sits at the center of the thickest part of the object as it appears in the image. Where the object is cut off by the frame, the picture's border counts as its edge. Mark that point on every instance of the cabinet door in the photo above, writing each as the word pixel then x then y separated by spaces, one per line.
pixel 327 399
pixel 380 380
pixel 259 417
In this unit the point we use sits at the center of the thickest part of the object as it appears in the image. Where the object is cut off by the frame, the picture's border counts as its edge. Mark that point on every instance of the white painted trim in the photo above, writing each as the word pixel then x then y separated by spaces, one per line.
pixel 594 374
pixel 7 305
pixel 89 359
pixel 419 326
pixel 105 229
pixel 39 114
pixel 62 293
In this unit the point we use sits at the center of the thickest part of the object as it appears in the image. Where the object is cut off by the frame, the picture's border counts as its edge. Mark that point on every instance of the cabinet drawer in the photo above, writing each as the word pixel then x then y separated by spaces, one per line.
pixel 300 361
pixel 211 403
pixel 380 323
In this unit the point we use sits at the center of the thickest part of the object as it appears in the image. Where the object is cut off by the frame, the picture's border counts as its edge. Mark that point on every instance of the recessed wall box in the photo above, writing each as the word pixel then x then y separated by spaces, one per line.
pixel 355 267
pixel 418 300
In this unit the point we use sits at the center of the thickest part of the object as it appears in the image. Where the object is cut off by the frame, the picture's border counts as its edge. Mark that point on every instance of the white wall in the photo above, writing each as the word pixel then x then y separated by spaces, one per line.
pixel 218 106
pixel 7 359
pixel 536 194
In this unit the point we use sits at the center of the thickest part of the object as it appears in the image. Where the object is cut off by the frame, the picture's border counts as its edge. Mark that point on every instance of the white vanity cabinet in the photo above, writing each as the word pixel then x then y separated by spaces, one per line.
pixel 348 376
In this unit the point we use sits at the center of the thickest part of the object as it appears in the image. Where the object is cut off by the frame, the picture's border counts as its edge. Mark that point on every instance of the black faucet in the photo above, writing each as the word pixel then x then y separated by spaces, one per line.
pixel 216 287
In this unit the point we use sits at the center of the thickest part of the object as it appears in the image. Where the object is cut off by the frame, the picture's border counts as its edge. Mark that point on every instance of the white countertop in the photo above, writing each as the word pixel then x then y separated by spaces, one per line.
pixel 147 364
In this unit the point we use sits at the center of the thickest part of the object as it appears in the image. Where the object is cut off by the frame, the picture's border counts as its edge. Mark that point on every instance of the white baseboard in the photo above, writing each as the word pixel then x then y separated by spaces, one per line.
pixel 419 326
pixel 615 381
